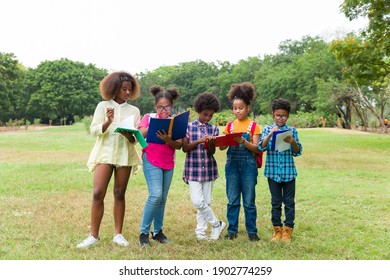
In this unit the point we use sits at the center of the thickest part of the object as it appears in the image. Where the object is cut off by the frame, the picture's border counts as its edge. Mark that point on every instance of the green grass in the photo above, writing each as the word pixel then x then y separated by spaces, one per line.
pixel 342 203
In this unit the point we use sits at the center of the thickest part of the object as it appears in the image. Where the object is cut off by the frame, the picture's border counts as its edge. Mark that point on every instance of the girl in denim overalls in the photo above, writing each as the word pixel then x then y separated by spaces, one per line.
pixel 241 168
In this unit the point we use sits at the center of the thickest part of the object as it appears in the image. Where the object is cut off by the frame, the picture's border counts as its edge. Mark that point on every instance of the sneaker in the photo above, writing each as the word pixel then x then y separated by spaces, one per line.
pixel 231 236
pixel 201 236
pixel 88 242
pixel 120 240
pixel 144 240
pixel 216 231
pixel 160 237
pixel 253 237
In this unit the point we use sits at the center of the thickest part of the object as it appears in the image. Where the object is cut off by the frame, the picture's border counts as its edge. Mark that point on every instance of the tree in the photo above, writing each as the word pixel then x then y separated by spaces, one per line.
pixel 244 71
pixel 367 70
pixel 190 78
pixel 370 57
pixel 11 74
pixel 293 72
pixel 378 14
pixel 334 97
pixel 63 88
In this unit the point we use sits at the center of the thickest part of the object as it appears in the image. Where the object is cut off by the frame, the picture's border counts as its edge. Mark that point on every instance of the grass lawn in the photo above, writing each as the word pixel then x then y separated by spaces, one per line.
pixel 342 203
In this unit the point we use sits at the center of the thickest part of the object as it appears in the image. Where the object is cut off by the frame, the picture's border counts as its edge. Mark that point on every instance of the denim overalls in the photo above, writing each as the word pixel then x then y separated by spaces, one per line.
pixel 241 178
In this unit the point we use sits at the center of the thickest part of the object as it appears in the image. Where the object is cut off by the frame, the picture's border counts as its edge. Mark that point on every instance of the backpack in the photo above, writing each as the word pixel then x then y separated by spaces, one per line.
pixel 251 129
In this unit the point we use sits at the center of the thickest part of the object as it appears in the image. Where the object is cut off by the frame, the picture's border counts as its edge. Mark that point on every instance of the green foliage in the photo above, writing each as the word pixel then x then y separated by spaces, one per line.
pixel 362 64
pixel 37 121
pixel 223 117
pixel 63 88
pixel 11 95
pixel 292 74
pixel 304 120
pixel 87 120
pixel 343 79
pixel 377 12
pixel 190 78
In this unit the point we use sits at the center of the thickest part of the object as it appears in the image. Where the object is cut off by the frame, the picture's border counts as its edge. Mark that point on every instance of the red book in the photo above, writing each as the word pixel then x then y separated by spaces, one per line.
pixel 225 140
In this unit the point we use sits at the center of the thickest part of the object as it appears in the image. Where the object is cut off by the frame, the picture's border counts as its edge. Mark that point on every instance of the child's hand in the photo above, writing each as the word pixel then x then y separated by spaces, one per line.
pixel 240 140
pixel 129 135
pixel 289 139
pixel 209 139
pixel 275 128
pixel 110 114
pixel 204 139
pixel 163 136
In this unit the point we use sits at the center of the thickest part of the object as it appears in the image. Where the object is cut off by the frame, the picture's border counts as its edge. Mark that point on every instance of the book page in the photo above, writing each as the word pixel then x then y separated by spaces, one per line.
pixel 278 143
pixel 127 123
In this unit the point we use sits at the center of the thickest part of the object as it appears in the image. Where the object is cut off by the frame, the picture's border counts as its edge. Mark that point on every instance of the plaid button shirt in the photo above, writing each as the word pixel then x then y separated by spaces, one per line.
pixel 280 166
pixel 199 165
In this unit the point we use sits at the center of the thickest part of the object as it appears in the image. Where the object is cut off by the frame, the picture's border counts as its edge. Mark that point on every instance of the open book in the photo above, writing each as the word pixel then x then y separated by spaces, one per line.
pixel 128 125
pixel 278 143
pixel 176 127
pixel 225 140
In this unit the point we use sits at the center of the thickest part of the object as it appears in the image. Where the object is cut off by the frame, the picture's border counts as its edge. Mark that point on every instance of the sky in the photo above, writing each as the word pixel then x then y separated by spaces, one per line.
pixel 142 35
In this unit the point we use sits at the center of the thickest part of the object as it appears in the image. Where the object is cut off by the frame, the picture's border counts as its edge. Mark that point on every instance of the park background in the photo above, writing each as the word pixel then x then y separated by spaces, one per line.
pixel 343 182
pixel 342 209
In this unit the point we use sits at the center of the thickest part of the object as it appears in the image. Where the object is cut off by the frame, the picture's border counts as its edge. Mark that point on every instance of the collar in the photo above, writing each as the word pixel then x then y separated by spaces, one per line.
pixel 116 104
pixel 283 127
pixel 199 124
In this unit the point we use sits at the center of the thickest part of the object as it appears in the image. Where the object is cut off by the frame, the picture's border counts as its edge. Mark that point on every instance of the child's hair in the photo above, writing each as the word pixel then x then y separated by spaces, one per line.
pixel 281 103
pixel 244 91
pixel 158 92
pixel 111 84
pixel 206 101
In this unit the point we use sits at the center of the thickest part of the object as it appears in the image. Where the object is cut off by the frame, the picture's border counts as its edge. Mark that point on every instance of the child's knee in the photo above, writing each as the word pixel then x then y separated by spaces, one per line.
pixel 199 204
pixel 119 194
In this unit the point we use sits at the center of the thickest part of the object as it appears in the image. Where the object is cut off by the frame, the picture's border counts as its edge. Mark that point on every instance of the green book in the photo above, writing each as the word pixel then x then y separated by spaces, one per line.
pixel 128 125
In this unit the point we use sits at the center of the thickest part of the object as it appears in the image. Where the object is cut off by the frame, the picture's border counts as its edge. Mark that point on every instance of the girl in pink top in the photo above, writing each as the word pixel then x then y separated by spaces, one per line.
pixel 158 161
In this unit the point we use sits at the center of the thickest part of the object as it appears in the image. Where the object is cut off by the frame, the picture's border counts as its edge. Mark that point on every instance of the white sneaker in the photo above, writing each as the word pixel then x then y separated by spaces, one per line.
pixel 216 231
pixel 201 236
pixel 88 242
pixel 120 240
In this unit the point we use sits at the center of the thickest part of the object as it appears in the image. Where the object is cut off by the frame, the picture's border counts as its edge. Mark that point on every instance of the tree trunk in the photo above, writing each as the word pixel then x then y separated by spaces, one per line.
pixel 368 104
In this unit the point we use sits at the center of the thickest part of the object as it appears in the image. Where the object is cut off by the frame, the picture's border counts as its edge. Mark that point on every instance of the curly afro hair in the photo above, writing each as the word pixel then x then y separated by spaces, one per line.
pixel 244 91
pixel 281 103
pixel 206 101
pixel 111 84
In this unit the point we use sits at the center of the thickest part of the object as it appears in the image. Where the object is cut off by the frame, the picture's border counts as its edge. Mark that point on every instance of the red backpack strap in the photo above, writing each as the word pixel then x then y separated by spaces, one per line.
pixel 230 126
pixel 253 127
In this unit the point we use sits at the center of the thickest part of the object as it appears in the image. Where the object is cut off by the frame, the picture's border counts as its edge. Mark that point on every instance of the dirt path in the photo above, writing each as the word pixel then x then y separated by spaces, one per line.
pixel 23 128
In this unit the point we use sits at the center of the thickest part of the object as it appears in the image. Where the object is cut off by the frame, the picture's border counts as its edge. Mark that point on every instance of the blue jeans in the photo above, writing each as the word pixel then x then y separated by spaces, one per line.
pixel 241 179
pixel 283 192
pixel 158 181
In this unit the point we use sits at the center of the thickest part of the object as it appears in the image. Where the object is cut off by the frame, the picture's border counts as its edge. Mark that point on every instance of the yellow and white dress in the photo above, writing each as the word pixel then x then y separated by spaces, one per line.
pixel 111 147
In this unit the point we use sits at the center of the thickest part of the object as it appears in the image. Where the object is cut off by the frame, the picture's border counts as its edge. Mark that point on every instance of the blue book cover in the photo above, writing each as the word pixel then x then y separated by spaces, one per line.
pixel 176 127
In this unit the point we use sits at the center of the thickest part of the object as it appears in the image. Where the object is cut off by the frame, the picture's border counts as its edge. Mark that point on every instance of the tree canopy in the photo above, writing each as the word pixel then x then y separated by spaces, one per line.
pixel 62 89
pixel 345 78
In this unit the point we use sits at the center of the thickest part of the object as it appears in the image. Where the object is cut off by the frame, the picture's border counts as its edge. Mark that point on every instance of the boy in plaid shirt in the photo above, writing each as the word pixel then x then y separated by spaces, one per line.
pixel 280 170
pixel 200 168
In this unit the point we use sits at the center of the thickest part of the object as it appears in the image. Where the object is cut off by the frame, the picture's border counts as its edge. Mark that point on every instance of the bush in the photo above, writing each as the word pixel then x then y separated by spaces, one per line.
pixel 76 119
pixel 87 120
pixel 305 120
pixel 37 121
pixel 222 118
